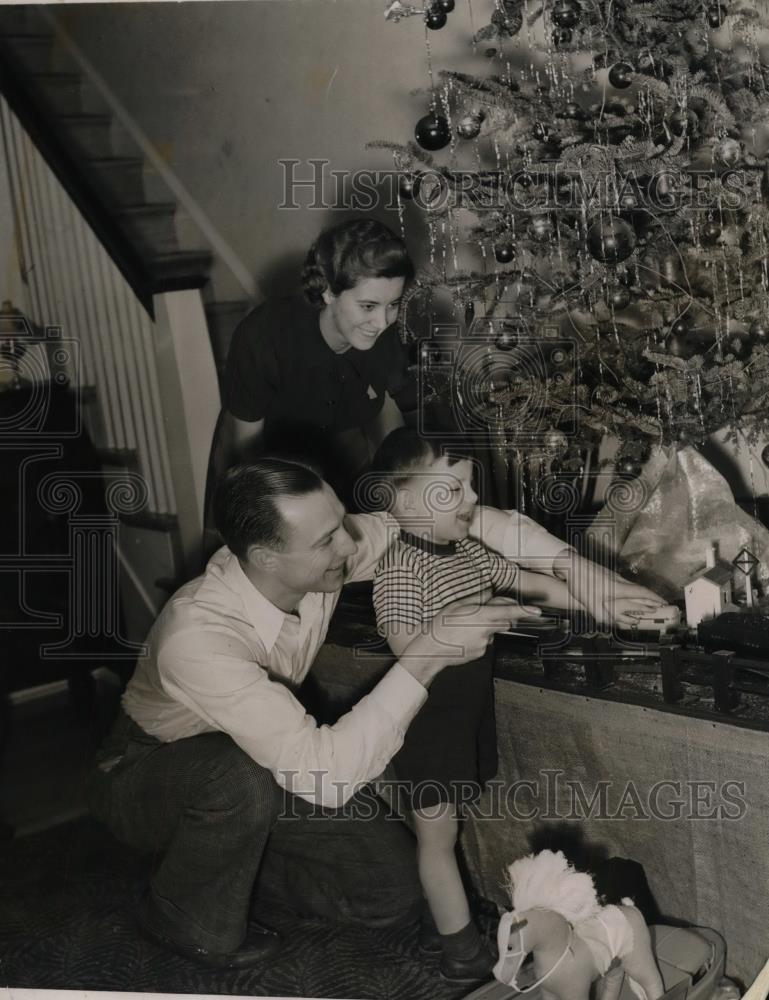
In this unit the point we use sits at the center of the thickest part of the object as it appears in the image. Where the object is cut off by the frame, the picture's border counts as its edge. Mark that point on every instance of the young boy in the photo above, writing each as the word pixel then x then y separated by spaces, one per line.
pixel 450 747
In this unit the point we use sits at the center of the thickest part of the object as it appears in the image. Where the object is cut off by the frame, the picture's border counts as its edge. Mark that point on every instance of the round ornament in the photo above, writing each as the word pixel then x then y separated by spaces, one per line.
pixel 407 184
pixel 432 132
pixel 541 131
pixel 506 339
pixel 684 123
pixel 710 232
pixel 435 18
pixel 509 21
pixel 559 357
pixel 678 123
pixel 504 253
pixel 445 5
pixel 680 328
pixel 716 15
pixel 629 468
pixel 628 202
pixel 541 227
pixel 561 36
pixel 618 298
pixel 621 75
pixel 469 127
pixel 572 110
pixel 610 240
pixel 728 152
pixel 565 13
pixel 759 330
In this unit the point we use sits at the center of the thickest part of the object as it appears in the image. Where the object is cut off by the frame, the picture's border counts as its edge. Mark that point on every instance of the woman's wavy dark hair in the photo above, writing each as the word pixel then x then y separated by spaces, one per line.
pixel 346 253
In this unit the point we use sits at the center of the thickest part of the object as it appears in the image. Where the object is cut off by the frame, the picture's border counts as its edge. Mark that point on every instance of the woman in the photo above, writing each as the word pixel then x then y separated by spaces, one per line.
pixel 324 376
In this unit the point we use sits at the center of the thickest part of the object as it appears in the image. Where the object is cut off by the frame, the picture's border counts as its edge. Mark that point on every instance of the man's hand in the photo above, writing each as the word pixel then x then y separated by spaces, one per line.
pixel 519 613
pixel 458 634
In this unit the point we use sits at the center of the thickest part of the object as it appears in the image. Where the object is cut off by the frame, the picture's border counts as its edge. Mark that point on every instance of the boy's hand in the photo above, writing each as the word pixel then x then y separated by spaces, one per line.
pixel 603 593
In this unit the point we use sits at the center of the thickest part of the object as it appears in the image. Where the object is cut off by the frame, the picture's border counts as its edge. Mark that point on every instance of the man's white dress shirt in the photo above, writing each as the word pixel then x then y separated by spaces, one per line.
pixel 222 658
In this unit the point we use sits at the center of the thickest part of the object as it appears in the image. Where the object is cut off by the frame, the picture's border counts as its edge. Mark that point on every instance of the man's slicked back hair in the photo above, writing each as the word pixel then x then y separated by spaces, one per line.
pixel 245 508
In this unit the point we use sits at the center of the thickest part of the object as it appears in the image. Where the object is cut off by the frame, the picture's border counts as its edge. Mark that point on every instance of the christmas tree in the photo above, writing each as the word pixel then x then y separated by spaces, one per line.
pixel 615 186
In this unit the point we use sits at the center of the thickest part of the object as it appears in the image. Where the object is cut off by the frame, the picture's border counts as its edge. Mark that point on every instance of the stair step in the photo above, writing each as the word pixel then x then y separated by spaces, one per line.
pixel 151 520
pixel 151 227
pixel 62 92
pixel 120 178
pixel 121 458
pixel 33 51
pixel 184 269
pixel 89 134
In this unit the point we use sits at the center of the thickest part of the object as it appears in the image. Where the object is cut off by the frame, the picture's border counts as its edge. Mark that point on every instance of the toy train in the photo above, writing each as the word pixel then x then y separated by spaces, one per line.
pixel 742 632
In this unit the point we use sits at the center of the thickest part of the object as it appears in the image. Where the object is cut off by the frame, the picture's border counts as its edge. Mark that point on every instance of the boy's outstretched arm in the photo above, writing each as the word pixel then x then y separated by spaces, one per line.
pixel 606 595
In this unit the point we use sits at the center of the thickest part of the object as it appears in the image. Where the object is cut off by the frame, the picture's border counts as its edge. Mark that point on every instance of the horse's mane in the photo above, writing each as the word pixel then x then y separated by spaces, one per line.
pixel 547 881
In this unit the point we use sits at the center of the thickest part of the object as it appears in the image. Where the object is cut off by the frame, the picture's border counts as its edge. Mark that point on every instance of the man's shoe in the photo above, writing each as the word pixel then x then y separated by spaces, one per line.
pixel 468 970
pixel 259 944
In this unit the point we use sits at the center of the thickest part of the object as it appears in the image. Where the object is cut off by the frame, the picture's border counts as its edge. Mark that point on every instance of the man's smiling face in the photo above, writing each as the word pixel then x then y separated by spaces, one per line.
pixel 317 544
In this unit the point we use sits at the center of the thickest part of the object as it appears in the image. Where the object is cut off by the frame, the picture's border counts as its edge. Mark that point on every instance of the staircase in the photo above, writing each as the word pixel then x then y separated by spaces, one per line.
pixel 40 79
pixel 155 245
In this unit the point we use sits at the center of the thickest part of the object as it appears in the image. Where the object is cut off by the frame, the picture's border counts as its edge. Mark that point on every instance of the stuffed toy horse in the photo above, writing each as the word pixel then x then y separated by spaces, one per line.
pixel 575 940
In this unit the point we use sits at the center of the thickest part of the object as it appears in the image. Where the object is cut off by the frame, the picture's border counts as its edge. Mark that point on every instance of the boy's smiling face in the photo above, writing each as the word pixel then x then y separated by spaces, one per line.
pixel 437 501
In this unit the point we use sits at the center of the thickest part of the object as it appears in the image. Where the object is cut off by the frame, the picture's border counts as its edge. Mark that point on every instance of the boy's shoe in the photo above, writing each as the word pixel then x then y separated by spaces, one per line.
pixel 468 970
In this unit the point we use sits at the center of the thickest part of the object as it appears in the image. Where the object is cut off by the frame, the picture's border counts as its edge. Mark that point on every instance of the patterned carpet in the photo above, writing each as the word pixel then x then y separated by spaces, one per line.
pixel 66 922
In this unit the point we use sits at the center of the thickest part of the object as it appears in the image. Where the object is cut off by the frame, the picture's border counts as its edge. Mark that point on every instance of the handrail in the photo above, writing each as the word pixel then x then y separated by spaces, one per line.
pixel 31 113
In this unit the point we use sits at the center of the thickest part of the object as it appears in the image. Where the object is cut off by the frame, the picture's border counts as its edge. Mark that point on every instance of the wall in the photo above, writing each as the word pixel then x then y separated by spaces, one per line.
pixel 226 90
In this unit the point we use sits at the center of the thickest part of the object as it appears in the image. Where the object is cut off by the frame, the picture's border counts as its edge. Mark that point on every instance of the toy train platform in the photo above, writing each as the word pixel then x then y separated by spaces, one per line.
pixel 691 961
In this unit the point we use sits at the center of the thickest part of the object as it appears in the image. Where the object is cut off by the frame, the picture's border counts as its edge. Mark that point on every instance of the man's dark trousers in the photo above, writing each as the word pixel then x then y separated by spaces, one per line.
pixel 225 836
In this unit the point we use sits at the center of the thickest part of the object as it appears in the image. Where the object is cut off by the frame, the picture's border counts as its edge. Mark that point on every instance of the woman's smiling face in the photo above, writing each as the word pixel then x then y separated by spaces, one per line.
pixel 358 316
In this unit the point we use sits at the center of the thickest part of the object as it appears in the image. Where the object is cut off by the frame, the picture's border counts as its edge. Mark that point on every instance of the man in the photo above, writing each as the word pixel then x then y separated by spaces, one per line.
pixel 214 766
